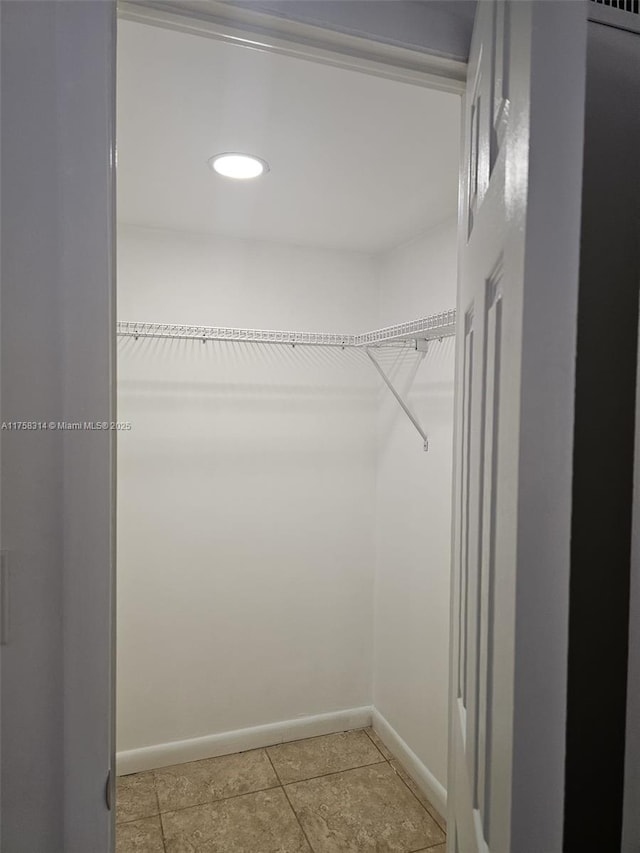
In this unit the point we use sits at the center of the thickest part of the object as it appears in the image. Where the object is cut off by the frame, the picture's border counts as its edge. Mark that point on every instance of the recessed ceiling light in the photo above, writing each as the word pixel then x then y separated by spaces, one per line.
pixel 239 166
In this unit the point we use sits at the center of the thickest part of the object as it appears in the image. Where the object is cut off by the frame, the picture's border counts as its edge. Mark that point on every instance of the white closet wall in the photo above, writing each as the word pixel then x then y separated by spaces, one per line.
pixel 283 539
pixel 413 508
pixel 246 491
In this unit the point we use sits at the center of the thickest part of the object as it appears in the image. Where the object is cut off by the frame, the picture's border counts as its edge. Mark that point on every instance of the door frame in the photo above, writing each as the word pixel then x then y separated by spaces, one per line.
pixel 279 35
pixel 270 34
pixel 58 321
pixel 260 31
pixel 257 30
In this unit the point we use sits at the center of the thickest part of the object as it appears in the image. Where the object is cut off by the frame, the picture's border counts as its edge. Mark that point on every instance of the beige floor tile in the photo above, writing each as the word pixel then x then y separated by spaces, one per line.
pixel 213 779
pixel 135 797
pixel 317 756
pixel 433 811
pixel 140 836
pixel 376 739
pixel 440 848
pixel 368 810
pixel 254 823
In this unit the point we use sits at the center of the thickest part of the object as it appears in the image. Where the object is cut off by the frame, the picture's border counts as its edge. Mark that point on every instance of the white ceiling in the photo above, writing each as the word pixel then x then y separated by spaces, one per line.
pixel 357 162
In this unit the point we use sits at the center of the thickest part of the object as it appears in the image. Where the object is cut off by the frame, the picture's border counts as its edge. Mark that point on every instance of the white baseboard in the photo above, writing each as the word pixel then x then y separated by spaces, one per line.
pixel 210 746
pixel 225 743
pixel 419 772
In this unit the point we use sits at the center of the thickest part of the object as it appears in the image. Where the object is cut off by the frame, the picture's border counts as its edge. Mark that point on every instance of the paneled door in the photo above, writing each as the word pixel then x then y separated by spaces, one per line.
pixel 517 309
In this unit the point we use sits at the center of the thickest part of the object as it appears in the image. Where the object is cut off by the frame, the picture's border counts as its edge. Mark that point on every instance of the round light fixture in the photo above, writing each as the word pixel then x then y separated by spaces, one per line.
pixel 238 166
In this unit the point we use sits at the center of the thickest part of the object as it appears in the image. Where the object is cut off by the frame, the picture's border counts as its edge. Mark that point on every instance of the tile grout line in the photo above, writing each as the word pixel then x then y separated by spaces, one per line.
pixel 286 796
pixel 300 739
pixel 417 798
pixel 218 799
pixel 155 789
pixel 295 813
pixel 395 758
pixel 273 767
pixel 427 849
pixel 157 814
pixel 376 745
pixel 333 772
pixel 373 741
pixel 140 817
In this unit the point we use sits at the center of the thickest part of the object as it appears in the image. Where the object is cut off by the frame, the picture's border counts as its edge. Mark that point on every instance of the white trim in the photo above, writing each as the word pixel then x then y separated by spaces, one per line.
pixel 611 17
pixel 433 790
pixel 225 743
pixel 259 31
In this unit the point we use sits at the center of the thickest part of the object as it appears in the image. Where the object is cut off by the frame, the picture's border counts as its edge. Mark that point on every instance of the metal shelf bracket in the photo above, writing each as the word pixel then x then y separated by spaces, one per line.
pixel 402 403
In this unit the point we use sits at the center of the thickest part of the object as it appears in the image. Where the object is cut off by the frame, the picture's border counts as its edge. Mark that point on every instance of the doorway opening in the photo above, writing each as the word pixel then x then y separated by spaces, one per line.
pixel 283 537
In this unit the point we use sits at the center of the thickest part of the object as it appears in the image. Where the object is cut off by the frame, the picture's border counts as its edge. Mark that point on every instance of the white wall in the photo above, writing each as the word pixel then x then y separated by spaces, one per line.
pixel 264 491
pixel 413 507
pixel 246 490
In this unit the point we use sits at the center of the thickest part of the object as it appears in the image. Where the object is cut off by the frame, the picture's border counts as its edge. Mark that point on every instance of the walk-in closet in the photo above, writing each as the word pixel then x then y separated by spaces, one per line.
pixel 285 390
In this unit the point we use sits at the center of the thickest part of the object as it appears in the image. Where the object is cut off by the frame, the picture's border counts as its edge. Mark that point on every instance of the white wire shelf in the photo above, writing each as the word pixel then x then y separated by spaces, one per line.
pixel 429 328
pixel 415 334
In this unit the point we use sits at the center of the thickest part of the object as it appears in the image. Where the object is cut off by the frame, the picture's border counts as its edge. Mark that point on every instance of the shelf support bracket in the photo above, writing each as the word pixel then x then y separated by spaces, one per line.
pixel 401 402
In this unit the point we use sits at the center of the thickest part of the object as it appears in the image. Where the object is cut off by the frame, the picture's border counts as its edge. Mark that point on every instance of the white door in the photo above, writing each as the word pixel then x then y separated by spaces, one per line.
pixel 517 306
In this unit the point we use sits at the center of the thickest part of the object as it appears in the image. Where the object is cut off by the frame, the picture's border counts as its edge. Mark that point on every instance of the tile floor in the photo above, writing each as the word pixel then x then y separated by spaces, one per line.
pixel 340 793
